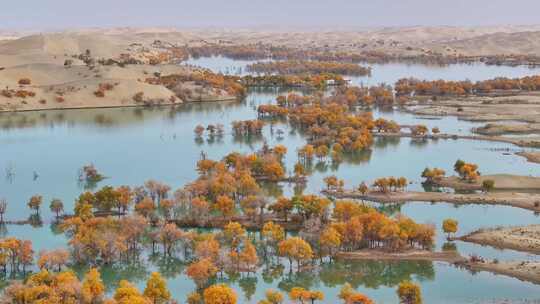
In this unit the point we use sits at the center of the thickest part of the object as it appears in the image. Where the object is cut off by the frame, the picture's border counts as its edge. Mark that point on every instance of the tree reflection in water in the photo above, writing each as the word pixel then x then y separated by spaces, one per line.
pixel 374 274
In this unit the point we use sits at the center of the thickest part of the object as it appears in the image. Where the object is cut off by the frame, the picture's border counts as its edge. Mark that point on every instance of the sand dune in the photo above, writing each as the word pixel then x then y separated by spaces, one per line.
pixel 41 57
pixel 524 43
pixel 110 43
pixel 57 87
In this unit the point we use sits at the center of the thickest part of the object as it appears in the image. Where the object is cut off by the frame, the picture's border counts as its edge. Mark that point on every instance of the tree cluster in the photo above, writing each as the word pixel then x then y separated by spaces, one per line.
pixel 288 67
pixel 432 174
pixel 204 78
pixel 318 81
pixel 65 287
pixel 411 86
pixel 467 171
pixel 389 184
pixel 356 226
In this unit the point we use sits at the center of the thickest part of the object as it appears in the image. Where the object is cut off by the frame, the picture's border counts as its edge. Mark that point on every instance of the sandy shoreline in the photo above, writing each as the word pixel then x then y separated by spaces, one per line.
pixel 519 200
pixel 524 238
pixel 161 104
pixel 503 182
pixel 525 271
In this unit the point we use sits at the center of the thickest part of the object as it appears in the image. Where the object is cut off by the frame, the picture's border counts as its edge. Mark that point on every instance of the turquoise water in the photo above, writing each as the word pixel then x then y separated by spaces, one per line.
pixel 132 145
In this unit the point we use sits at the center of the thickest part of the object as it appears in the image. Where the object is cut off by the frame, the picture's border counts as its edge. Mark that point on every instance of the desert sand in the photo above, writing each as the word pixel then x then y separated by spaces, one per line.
pixel 413 40
pixel 40 57
pixel 65 70
pixel 58 87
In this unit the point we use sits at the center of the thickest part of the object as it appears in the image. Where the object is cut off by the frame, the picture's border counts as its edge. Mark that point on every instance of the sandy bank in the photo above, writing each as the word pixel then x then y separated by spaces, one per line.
pixel 519 200
pixel 520 107
pixel 80 95
pixel 501 129
pixel 411 255
pixel 525 238
pixel 503 182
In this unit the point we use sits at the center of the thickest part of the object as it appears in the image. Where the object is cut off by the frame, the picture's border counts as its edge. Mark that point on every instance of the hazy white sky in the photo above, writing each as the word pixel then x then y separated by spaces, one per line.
pixel 54 14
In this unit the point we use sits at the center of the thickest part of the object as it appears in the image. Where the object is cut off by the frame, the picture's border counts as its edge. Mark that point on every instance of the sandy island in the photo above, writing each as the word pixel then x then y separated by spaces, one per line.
pixel 503 182
pixel 516 113
pixel 519 107
pixel 524 238
pixel 501 129
pixel 519 200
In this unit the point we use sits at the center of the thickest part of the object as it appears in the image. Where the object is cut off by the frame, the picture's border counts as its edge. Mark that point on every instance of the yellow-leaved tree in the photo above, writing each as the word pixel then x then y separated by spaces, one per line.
pixel 156 289
pixel 126 293
pixel 219 294
pixel 92 286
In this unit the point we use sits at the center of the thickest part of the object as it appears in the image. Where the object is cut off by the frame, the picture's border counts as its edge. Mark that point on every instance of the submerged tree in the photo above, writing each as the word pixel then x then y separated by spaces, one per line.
pixel 201 271
pixel 3 209
pixel 57 207
pixel 35 202
pixel 53 259
pixel 296 249
pixel 302 295
pixel 450 226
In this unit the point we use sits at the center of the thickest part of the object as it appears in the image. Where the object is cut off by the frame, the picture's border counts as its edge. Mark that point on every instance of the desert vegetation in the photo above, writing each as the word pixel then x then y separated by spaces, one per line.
pixel 278 52
pixel 318 81
pixel 408 86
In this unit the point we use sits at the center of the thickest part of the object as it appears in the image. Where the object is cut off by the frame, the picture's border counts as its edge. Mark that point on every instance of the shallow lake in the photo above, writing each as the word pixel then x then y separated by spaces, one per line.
pixel 132 145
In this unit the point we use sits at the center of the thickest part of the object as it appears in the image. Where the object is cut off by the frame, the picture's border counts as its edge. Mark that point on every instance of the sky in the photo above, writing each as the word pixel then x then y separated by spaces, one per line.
pixel 70 14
